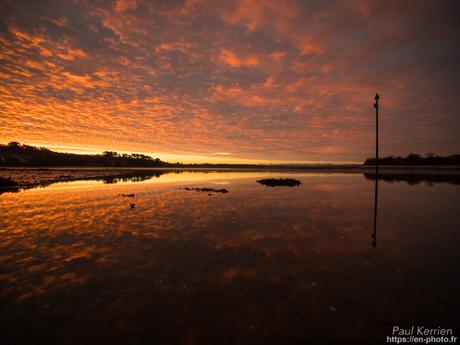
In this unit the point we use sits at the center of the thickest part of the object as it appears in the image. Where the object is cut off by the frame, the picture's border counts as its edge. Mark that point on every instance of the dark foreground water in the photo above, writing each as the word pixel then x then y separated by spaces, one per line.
pixel 257 265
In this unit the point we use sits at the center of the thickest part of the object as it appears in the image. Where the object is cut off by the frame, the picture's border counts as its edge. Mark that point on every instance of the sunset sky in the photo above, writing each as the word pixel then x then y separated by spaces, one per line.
pixel 231 81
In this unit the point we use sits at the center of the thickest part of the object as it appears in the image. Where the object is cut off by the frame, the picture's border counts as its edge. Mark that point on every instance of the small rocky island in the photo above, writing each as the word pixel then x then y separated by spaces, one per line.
pixel 278 182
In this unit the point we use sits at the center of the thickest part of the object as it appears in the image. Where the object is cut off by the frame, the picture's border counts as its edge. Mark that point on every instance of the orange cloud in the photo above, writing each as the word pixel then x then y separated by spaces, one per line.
pixel 278 56
pixel 229 58
pixel 123 5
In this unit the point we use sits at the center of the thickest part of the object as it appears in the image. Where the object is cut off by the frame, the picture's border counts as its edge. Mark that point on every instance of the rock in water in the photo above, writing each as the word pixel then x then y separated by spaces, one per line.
pixel 6 182
pixel 207 190
pixel 8 185
pixel 277 182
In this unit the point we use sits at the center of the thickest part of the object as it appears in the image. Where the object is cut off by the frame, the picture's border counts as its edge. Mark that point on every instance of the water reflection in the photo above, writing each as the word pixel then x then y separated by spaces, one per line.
pixel 376 193
pixel 33 178
pixel 415 177
pixel 254 265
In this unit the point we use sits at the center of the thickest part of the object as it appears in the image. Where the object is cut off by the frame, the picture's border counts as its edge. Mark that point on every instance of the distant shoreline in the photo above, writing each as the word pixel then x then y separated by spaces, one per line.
pixel 17 155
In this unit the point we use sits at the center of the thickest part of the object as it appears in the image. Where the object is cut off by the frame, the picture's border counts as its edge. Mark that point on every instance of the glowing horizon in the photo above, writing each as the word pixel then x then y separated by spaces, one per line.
pixel 197 81
pixel 212 158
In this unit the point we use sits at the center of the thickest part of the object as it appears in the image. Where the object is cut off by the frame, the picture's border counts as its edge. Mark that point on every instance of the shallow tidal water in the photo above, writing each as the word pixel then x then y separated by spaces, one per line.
pixel 256 265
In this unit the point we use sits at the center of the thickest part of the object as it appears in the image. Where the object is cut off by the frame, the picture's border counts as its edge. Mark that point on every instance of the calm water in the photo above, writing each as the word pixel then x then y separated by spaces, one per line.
pixel 257 265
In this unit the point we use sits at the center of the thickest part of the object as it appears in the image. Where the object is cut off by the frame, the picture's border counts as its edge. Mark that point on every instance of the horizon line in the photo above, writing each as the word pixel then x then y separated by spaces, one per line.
pixel 202 158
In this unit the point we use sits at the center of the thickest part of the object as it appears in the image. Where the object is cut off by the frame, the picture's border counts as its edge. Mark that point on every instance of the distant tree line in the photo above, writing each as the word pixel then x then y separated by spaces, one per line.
pixel 416 159
pixel 16 154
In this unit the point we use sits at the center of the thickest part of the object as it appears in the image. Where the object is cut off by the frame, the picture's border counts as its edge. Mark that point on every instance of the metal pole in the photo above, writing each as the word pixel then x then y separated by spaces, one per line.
pixel 376 105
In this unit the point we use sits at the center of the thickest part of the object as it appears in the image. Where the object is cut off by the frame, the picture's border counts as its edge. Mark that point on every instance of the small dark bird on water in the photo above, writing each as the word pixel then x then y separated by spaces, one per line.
pixel 132 205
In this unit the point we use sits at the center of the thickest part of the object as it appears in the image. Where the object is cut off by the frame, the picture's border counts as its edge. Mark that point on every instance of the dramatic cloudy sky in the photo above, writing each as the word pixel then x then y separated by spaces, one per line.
pixel 231 80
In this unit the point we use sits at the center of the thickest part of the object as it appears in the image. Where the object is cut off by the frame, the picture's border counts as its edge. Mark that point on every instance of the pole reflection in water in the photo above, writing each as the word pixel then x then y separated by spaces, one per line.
pixel 376 193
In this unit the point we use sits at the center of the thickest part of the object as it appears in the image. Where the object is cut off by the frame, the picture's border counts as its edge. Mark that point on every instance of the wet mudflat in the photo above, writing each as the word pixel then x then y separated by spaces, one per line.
pixel 256 265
